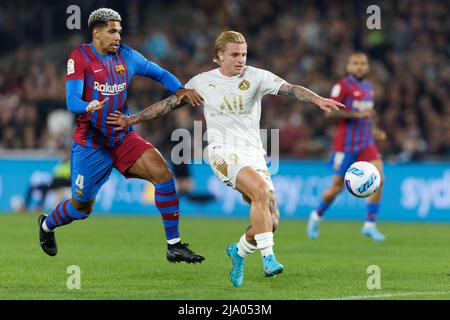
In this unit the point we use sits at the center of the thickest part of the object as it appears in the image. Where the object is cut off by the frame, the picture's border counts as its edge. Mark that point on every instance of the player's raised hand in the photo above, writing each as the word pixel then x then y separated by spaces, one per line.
pixel 329 105
pixel 96 105
pixel 118 119
pixel 194 98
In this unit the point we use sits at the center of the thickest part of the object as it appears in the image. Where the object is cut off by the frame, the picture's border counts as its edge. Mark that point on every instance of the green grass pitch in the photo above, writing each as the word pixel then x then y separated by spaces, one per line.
pixel 124 258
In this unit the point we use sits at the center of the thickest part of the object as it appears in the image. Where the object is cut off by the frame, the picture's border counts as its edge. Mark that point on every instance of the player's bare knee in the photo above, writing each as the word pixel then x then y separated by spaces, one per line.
pixel 163 174
pixel 261 192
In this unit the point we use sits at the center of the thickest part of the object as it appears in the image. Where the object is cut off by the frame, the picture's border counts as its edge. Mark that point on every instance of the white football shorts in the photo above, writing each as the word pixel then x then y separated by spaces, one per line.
pixel 226 162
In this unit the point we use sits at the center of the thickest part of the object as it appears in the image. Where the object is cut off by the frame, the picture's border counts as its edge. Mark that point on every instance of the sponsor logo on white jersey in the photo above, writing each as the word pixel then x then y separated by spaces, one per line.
pixel 109 89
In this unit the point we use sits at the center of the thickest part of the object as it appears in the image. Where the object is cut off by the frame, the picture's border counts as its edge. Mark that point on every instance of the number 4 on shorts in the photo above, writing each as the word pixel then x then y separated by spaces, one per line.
pixel 80 182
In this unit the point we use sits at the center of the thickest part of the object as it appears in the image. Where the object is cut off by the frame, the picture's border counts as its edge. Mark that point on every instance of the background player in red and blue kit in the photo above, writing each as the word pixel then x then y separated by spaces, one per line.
pixel 102 71
pixel 354 141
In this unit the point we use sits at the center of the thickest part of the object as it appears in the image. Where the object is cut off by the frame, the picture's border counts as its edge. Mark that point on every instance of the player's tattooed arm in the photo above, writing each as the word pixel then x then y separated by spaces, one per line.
pixel 299 92
pixel 158 110
pixel 306 95
pixel 155 111
pixel 182 98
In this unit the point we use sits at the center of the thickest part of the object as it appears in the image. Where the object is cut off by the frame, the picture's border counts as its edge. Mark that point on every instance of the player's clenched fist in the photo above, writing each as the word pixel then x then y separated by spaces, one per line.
pixel 194 98
pixel 96 105
pixel 118 119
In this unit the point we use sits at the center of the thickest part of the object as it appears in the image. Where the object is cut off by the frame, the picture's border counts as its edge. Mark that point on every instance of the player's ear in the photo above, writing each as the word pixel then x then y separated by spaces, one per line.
pixel 96 33
pixel 221 56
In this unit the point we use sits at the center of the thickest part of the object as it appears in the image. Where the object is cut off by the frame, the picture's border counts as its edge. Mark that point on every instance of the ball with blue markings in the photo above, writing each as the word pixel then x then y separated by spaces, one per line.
pixel 362 179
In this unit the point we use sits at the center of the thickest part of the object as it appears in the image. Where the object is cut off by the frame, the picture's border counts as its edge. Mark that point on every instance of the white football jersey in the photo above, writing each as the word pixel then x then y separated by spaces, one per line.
pixel 232 105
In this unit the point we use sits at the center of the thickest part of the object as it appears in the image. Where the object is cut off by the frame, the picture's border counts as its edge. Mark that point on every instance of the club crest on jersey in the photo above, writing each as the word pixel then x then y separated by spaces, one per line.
pixel 244 85
pixel 234 158
pixel 120 69
pixel 70 67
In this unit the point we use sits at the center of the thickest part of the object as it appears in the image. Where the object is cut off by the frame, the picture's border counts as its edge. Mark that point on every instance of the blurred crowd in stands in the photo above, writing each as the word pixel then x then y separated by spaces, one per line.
pixel 304 42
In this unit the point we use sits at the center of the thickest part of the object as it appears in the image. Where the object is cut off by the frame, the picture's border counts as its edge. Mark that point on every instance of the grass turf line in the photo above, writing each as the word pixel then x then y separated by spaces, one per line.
pixel 124 258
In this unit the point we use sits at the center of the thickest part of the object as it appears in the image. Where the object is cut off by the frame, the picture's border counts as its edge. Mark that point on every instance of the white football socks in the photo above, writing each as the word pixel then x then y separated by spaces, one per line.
pixel 45 228
pixel 173 241
pixel 244 247
pixel 264 242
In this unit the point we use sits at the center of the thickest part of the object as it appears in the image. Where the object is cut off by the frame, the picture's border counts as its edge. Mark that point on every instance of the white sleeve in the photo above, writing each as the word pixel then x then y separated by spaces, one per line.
pixel 270 83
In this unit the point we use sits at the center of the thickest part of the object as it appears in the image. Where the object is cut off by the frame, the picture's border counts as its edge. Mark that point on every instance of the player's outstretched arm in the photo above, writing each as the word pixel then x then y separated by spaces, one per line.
pixel 306 95
pixel 350 114
pixel 155 111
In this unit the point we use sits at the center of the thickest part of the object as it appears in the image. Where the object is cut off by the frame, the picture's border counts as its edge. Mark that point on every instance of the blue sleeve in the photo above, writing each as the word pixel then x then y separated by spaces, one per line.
pixel 144 67
pixel 74 92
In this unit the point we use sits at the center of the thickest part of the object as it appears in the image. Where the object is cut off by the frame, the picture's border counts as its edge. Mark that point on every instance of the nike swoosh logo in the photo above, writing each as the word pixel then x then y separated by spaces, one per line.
pixel 95 71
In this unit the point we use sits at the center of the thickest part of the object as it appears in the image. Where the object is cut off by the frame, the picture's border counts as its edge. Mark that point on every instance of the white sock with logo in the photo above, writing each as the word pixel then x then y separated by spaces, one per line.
pixel 264 242
pixel 45 228
pixel 245 247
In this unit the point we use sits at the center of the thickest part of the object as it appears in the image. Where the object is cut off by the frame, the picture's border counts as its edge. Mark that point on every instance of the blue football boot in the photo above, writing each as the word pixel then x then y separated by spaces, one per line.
pixel 237 270
pixel 271 266
pixel 312 228
pixel 370 230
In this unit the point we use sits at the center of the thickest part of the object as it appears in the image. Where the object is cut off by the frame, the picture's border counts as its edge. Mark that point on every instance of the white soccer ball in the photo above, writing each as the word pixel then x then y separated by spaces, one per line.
pixel 362 179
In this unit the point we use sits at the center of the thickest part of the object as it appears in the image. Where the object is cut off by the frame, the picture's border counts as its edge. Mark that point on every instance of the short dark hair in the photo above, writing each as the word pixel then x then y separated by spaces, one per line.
pixel 359 53
pixel 101 17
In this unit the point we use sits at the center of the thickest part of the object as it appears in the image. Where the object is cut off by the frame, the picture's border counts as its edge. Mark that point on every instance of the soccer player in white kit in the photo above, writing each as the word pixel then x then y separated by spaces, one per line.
pixel 232 96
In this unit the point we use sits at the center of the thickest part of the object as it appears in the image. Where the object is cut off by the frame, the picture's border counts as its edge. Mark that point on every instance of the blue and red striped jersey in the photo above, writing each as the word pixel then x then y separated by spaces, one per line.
pixel 92 76
pixel 353 135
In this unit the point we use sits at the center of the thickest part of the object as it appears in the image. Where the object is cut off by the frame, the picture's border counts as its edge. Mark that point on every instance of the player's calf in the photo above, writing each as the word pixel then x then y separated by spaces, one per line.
pixel 64 213
pixel 274 210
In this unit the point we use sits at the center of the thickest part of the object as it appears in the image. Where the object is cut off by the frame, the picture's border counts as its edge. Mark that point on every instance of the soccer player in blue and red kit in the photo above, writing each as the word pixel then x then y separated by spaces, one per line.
pixel 98 77
pixel 354 141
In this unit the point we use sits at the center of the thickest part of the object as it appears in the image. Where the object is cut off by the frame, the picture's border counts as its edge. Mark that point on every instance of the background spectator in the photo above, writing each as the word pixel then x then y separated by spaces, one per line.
pixel 305 42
